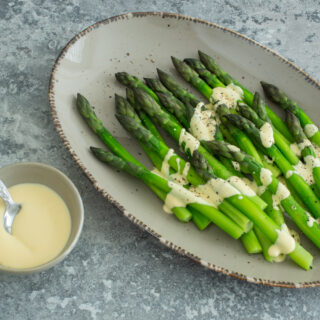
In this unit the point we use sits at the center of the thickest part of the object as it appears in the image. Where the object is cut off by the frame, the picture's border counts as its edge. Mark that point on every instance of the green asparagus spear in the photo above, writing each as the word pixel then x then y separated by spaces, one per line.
pixel 233 166
pixel 241 138
pixel 299 255
pixel 146 137
pixel 279 97
pixel 293 192
pixel 147 122
pixel 180 92
pixel 154 179
pixel 212 66
pixel 282 144
pixel 150 106
pixel 187 198
pixel 251 243
pixel 229 137
pixel 133 82
pixel 96 125
pixel 258 105
pixel 234 214
pixel 168 100
pixel 125 109
pixel 232 211
pixel 244 142
pixel 301 218
pixel 273 210
pixel 249 239
pixel 303 189
pixel 188 98
pixel 306 147
pixel 264 242
pixel 156 85
pixel 186 140
pixel 192 77
pixel 174 129
pixel 175 106
pixel 86 111
pixel 211 79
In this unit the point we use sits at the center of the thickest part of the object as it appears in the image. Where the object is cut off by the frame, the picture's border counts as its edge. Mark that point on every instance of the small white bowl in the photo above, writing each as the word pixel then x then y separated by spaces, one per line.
pixel 33 172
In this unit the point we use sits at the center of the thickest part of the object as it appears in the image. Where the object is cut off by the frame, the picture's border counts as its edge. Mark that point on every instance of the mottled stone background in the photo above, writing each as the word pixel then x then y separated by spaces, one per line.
pixel 117 270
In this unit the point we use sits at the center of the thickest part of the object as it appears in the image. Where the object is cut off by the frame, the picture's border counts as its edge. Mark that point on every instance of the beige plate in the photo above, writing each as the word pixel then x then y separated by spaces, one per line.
pixel 138 43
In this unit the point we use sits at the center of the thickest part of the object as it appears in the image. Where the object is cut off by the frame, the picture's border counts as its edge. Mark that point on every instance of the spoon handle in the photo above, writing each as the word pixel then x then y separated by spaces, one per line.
pixel 4 193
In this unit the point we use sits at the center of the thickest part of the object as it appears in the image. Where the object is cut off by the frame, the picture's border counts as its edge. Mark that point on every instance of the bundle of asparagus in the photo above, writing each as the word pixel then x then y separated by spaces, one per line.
pixel 243 166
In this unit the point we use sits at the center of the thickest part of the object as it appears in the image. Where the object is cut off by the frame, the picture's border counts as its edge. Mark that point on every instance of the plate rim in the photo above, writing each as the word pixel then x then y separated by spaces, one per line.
pixel 106 195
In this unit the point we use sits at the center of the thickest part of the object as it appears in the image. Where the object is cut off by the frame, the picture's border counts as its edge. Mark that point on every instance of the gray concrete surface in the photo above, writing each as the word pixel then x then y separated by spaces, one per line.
pixel 118 271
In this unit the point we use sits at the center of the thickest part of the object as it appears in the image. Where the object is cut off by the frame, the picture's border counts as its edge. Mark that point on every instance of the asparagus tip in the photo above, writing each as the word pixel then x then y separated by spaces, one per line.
pixel 175 60
pixel 191 62
pixel 119 99
pixel 201 54
pixel 186 60
pixel 272 91
pixel 104 155
pixel 97 151
pixel 80 97
pixel 161 73
pixel 82 102
pixel 118 74
pixel 267 87
pixel 122 77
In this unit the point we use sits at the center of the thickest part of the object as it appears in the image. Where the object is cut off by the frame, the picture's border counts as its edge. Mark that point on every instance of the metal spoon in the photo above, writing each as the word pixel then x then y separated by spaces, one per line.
pixel 12 208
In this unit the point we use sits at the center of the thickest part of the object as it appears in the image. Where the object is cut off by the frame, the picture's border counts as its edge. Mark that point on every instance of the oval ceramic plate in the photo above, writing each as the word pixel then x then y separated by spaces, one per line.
pixel 138 43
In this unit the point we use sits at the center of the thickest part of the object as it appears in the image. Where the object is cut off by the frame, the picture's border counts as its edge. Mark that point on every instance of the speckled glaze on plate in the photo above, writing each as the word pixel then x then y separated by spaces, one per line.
pixel 138 43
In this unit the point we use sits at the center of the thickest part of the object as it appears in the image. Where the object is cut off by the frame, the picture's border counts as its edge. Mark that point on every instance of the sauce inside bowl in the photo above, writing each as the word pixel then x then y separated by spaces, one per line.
pixel 40 230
